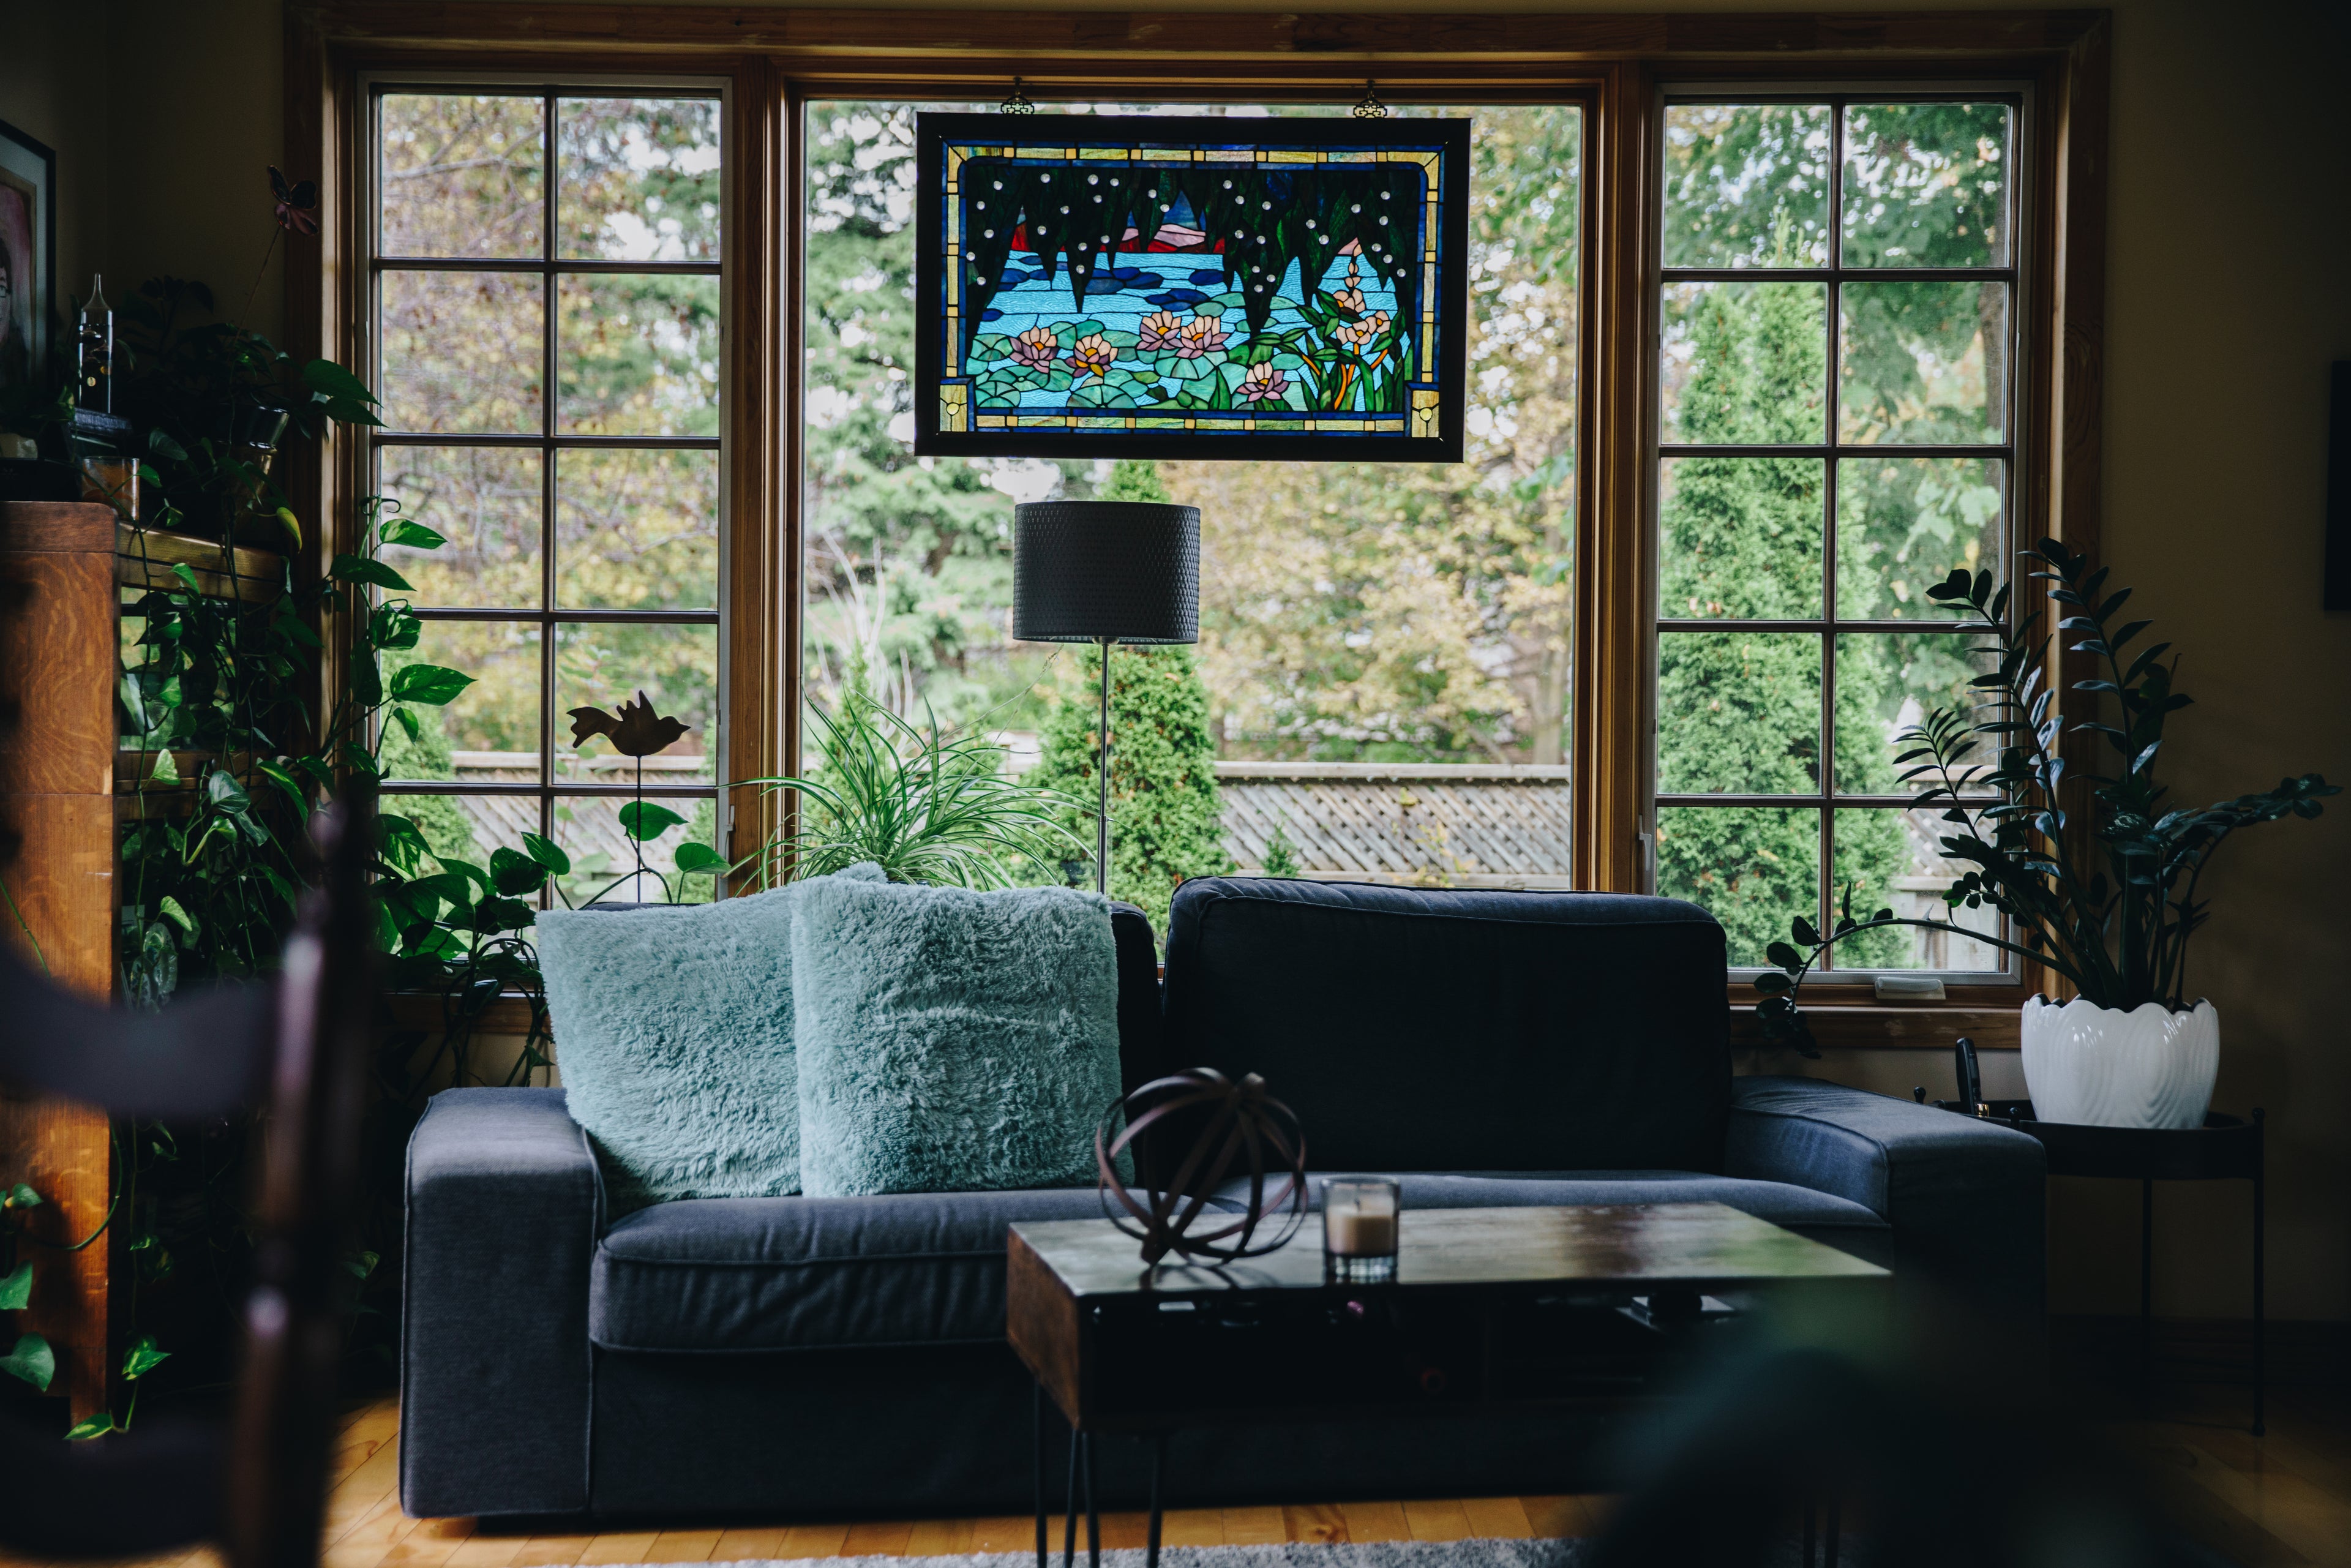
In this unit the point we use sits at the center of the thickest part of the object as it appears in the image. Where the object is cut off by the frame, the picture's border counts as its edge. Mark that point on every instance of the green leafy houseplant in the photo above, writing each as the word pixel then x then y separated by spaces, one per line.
pixel 923 808
pixel 2118 930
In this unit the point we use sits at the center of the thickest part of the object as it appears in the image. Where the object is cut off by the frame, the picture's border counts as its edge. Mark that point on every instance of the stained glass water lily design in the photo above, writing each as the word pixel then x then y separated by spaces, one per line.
pixel 1205 288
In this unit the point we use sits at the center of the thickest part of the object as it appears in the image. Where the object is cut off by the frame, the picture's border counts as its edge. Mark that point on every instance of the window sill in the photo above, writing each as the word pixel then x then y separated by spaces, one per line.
pixel 1925 1026
pixel 509 1015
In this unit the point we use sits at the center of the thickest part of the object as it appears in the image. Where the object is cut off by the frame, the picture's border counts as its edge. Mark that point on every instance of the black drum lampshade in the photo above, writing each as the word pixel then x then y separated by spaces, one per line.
pixel 1105 571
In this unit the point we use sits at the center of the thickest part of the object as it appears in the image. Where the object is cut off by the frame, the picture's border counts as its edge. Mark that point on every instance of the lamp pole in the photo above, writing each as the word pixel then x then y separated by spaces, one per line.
pixel 1102 767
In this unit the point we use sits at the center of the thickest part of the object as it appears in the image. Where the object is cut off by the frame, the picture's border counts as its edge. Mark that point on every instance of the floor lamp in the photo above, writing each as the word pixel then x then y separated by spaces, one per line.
pixel 1105 572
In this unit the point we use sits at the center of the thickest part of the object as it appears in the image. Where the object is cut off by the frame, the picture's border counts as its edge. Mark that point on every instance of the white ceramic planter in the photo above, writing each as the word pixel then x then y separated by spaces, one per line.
pixel 2149 1067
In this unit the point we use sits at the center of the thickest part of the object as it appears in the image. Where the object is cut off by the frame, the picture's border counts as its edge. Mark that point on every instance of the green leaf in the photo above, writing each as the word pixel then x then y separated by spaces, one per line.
pixel 171 910
pixel 493 916
pixel 360 569
pixel 167 767
pixel 643 820
pixel 16 1290
pixel 408 721
pixel 32 1361
pixel 1771 982
pixel 547 852
pixel 430 685
pixel 1803 930
pixel 96 1426
pixel 516 874
pixel 694 858
pixel 142 1357
pixel 1787 958
pixel 21 1196
pixel 222 790
pixel 408 531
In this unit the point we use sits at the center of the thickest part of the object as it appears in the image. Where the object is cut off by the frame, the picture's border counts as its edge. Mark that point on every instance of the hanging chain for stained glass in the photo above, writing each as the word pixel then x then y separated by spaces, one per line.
pixel 1016 101
pixel 1371 107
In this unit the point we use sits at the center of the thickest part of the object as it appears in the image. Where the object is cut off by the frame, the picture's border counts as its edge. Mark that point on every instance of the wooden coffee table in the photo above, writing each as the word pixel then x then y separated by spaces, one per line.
pixel 1492 1312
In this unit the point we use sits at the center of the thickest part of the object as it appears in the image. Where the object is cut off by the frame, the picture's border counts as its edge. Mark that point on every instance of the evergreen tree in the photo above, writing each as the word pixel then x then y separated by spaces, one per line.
pixel 1166 821
pixel 1739 711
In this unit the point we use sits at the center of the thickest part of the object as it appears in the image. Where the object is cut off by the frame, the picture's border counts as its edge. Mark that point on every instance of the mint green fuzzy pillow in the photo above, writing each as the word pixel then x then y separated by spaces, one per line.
pixel 951 1040
pixel 673 1037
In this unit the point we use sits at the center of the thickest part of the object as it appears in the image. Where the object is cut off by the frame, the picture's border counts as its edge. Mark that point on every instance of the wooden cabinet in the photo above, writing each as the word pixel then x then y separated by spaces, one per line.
pixel 58 664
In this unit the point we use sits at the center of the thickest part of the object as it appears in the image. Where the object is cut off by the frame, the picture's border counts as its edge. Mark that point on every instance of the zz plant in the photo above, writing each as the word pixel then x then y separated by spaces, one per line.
pixel 2109 902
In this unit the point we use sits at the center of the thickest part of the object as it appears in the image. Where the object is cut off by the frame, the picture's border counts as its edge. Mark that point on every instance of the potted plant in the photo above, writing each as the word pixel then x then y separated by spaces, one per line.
pixel 2109 902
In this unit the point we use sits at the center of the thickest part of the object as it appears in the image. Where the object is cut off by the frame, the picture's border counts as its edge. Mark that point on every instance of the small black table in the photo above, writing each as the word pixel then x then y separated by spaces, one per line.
pixel 2224 1148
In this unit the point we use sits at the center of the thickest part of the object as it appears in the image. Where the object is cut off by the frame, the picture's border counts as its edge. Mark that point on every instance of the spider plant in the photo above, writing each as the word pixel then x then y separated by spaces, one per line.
pixel 2117 931
pixel 923 808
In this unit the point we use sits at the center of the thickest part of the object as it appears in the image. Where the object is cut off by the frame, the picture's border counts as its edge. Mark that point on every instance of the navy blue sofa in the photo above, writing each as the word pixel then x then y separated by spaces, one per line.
pixel 795 1356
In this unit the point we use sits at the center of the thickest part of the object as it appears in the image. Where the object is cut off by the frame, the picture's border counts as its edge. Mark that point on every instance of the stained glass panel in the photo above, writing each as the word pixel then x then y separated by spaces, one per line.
pixel 1203 287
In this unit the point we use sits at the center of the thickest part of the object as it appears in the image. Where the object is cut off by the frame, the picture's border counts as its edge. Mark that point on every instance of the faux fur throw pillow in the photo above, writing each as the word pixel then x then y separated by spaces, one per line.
pixel 673 1037
pixel 952 1040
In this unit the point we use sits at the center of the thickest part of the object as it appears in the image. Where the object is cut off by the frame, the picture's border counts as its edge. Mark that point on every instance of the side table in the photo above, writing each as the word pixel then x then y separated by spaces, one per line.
pixel 2224 1148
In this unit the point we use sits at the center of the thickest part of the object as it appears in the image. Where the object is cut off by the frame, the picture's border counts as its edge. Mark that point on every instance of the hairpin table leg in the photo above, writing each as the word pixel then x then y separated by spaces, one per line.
pixel 1036 1463
pixel 1070 1506
pixel 1094 1519
pixel 1159 1464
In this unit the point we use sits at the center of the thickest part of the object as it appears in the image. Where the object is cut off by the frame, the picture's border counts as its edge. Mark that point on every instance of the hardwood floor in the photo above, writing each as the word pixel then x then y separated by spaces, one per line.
pixel 2284 1498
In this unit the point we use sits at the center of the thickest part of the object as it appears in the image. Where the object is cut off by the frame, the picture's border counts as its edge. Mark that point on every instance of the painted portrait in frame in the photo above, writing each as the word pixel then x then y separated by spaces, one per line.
pixel 1190 286
pixel 29 256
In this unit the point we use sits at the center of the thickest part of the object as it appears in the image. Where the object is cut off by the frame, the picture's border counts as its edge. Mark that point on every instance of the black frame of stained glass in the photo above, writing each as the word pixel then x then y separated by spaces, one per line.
pixel 1173 138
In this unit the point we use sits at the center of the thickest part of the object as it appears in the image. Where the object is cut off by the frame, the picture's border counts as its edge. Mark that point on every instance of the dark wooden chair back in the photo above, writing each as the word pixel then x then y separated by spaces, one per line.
pixel 297 1047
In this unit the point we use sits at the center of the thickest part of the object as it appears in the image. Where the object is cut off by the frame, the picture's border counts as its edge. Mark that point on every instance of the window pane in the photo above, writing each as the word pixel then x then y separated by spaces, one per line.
pixel 485 501
pixel 638 355
pixel 1903 523
pixel 1926 185
pixel 605 858
pixel 1886 683
pixel 1923 362
pixel 461 175
pixel 1745 362
pixel 1741 537
pixel 637 529
pixel 604 665
pixel 498 713
pixel 1747 185
pixel 462 351
pixel 640 179
pixel 1350 611
pixel 1738 713
pixel 1894 860
pixel 1753 868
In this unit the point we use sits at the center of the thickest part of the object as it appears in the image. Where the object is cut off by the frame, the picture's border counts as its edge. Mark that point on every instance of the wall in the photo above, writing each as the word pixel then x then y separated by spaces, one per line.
pixel 2230 239
pixel 164 117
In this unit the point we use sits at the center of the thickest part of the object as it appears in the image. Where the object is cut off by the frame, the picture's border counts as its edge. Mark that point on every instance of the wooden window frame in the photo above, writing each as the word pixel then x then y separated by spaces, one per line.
pixel 772 59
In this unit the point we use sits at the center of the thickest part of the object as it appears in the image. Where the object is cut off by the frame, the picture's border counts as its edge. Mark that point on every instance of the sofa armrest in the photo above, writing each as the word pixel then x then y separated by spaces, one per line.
pixel 1965 1199
pixel 504 1206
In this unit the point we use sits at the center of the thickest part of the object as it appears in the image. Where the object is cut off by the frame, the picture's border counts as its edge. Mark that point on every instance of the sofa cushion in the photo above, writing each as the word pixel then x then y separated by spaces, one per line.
pixel 952 1040
pixel 1452 1028
pixel 813 1273
pixel 1797 1208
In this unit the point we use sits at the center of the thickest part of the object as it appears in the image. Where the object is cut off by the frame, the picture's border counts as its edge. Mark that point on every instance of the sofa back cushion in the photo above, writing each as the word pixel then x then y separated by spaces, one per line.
pixel 1436 1030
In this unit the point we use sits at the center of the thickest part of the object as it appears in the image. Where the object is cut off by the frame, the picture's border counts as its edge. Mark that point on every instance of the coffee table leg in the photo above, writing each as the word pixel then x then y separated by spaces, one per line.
pixel 1037 1462
pixel 1158 1463
pixel 2260 1332
pixel 1070 1507
pixel 1836 1530
pixel 1094 1519
pixel 2147 1298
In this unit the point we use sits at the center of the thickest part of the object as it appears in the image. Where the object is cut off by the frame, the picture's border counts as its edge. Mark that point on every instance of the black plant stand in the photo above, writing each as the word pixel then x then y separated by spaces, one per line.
pixel 2225 1148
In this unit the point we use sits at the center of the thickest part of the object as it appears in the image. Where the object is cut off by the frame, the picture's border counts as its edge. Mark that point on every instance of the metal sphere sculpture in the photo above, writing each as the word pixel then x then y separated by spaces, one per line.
pixel 1241 1129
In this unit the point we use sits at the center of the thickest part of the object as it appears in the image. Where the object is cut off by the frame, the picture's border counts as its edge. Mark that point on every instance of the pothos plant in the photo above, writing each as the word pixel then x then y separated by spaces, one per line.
pixel 2111 908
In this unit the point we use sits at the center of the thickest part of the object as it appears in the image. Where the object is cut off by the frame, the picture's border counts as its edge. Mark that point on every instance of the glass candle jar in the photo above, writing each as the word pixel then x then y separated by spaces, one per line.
pixel 1359 1219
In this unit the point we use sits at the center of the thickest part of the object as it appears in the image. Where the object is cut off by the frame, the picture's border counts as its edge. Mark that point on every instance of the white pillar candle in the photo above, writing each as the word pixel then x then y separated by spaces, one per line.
pixel 1359 1230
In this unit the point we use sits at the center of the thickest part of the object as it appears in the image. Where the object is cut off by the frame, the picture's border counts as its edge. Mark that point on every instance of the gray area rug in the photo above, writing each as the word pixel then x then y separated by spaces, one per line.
pixel 1473 1553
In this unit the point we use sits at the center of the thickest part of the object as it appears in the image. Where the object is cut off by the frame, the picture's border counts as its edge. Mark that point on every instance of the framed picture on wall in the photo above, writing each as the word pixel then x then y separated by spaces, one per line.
pixel 29 256
pixel 1190 286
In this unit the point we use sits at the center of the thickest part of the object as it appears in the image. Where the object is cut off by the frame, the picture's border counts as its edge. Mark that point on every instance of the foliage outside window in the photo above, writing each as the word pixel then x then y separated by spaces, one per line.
pixel 550 377
pixel 1350 613
pixel 1837 324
